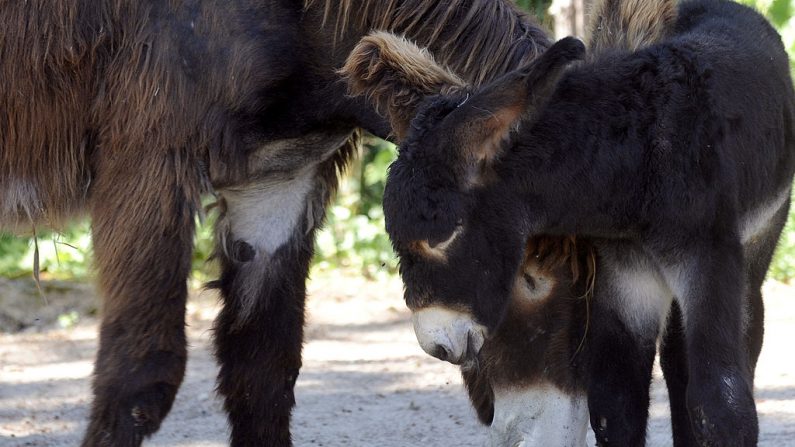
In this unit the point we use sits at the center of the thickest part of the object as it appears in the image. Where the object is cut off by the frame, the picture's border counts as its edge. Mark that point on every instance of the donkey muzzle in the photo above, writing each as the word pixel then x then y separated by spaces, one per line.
pixel 449 335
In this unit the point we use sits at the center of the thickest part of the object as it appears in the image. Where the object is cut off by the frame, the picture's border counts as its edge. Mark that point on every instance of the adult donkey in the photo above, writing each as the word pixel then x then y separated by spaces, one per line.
pixel 130 110
pixel 679 157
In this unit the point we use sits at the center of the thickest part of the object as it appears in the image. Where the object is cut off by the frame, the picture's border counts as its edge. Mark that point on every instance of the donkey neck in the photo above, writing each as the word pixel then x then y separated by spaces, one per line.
pixel 579 167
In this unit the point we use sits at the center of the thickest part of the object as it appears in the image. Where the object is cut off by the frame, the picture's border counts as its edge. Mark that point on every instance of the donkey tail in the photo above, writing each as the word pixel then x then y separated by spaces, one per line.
pixel 629 24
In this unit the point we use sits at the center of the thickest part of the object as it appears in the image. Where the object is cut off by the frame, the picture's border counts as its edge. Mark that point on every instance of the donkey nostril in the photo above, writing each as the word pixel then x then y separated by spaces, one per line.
pixel 441 352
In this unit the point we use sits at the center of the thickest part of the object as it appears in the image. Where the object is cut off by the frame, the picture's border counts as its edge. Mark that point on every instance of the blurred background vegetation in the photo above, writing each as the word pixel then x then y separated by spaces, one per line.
pixel 353 239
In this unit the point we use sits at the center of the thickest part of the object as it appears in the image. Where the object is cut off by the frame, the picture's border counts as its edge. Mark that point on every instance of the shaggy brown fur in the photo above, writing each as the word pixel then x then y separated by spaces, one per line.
pixel 629 24
pixel 462 47
pixel 131 110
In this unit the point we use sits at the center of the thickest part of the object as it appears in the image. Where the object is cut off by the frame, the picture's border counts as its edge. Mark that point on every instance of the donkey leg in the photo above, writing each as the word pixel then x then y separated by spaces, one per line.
pixel 143 222
pixel 673 356
pixel 619 377
pixel 629 302
pixel 265 246
pixel 758 251
pixel 673 361
pixel 720 383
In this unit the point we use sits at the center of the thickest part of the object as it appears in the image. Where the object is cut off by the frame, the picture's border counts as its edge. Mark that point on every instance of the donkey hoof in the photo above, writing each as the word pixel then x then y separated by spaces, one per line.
pixel 126 421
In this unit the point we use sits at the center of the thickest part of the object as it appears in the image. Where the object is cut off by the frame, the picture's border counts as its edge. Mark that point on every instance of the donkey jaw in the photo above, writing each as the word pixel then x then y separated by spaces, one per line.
pixel 540 415
pixel 447 334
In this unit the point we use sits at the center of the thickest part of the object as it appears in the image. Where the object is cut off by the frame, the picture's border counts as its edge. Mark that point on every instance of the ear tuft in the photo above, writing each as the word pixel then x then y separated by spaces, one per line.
pixel 395 75
pixel 562 53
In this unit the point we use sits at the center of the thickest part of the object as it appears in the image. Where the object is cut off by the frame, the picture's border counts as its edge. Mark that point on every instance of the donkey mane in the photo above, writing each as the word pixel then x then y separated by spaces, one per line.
pixel 629 24
pixel 476 48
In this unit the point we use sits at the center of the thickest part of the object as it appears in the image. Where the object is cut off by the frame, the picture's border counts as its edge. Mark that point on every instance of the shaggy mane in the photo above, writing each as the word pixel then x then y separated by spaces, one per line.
pixel 629 24
pixel 490 37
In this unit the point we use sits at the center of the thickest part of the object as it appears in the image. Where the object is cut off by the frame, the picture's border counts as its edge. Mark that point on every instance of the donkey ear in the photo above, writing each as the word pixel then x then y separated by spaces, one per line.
pixel 396 75
pixel 485 120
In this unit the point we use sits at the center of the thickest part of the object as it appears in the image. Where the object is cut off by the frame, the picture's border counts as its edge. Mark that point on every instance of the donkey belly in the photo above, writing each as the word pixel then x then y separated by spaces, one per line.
pixel 42 185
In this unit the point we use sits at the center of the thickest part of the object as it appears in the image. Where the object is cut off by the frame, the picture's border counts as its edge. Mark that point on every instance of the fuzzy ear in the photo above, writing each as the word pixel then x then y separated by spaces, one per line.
pixel 481 123
pixel 395 75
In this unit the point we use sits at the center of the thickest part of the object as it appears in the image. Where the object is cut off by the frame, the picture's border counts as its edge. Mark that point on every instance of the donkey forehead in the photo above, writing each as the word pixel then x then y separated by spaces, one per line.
pixel 422 202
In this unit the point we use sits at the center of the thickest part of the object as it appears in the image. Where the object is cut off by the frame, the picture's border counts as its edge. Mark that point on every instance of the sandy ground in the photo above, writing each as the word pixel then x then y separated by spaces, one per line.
pixel 365 381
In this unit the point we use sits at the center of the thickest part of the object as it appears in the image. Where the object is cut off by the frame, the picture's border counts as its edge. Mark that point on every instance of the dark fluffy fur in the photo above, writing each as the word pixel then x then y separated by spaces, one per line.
pixel 131 110
pixel 679 156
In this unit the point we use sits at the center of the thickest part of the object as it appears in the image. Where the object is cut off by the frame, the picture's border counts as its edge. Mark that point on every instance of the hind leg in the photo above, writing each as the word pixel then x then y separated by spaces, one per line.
pixel 143 222
pixel 720 385
pixel 673 354
pixel 759 251
pixel 266 235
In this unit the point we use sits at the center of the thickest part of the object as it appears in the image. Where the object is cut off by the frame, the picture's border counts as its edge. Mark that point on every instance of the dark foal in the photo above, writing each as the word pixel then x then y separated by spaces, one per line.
pixel 528 382
pixel 131 110
pixel 679 156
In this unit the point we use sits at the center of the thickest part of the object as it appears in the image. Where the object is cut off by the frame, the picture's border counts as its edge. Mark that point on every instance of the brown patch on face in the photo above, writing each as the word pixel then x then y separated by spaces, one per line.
pixel 436 252
pixel 424 249
pixel 547 319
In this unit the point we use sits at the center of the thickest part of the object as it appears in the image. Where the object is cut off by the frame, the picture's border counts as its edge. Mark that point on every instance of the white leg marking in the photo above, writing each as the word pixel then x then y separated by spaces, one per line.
pixel 265 214
pixel 540 416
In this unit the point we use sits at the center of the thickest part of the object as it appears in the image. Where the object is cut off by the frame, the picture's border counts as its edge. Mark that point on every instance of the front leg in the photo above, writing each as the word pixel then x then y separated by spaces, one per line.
pixel 265 243
pixel 142 225
pixel 673 361
pixel 630 299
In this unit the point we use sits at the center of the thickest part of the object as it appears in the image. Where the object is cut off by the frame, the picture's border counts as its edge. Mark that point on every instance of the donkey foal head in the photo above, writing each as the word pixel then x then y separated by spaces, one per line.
pixel 458 263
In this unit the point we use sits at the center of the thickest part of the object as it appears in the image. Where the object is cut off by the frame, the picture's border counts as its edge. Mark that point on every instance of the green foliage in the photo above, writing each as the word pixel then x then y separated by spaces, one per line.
pixel 538 8
pixel 62 255
pixel 354 238
pixel 203 247
pixel 67 254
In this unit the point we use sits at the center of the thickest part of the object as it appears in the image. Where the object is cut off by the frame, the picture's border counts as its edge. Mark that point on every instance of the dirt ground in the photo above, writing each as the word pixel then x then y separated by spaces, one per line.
pixel 365 381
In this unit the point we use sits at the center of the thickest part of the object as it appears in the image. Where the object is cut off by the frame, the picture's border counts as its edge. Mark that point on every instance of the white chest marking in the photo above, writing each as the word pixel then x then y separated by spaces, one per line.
pixel 537 416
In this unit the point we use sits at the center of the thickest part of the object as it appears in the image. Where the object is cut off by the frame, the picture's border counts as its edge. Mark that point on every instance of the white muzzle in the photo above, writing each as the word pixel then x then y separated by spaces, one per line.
pixel 447 334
